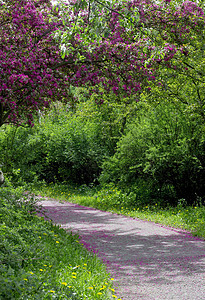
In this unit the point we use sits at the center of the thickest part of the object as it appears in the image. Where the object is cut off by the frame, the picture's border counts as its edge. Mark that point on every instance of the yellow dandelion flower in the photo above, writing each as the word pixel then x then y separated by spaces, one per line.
pixel 41 270
pixel 31 272
pixel 25 279
pixel 69 286
pixel 45 265
pixel 64 283
pixel 51 291
pixel 112 290
pixel 57 242
pixel 90 288
pixel 74 273
pixel 73 276
pixel 99 293
pixel 85 264
pixel 114 296
pixel 112 279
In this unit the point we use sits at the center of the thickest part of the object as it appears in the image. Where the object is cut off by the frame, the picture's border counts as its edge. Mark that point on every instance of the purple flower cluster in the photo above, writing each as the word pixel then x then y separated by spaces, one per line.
pixel 28 55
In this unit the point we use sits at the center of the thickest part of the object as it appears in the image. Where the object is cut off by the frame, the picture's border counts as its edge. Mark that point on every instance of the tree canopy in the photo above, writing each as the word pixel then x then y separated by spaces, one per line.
pixel 118 47
pixel 126 45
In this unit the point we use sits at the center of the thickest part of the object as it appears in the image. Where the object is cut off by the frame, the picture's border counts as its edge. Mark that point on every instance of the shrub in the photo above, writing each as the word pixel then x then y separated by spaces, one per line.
pixel 62 147
pixel 164 146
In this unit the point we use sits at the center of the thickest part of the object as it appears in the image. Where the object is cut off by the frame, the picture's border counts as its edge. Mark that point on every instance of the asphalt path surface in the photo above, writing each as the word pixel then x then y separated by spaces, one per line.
pixel 148 261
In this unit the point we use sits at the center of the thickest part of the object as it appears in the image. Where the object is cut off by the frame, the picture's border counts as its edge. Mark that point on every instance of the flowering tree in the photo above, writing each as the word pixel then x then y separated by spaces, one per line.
pixel 127 45
pixel 31 69
pixel 113 46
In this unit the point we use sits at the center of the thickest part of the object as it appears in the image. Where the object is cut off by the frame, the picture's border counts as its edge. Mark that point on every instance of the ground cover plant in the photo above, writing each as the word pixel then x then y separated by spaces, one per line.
pixel 39 260
pixel 111 198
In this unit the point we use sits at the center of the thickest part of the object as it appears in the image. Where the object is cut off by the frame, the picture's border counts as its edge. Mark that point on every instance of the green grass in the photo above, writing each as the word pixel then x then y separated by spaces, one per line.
pixel 39 260
pixel 112 199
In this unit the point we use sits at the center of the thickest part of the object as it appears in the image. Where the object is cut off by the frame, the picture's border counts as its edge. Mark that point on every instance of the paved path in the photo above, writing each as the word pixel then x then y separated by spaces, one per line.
pixel 148 261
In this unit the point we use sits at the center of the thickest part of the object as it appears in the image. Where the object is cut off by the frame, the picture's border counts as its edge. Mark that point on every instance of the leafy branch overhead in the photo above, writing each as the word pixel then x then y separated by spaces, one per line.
pixel 129 43
pixel 111 46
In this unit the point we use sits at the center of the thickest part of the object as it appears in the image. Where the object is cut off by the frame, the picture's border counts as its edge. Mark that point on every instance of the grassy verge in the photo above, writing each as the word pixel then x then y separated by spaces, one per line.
pixel 41 261
pixel 112 199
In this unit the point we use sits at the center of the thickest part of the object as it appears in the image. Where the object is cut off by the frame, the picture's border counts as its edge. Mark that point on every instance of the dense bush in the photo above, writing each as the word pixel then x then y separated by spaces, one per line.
pixel 61 147
pixel 66 144
pixel 164 147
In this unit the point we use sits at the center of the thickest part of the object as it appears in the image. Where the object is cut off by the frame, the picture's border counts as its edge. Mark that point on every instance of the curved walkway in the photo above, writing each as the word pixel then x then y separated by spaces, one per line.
pixel 147 260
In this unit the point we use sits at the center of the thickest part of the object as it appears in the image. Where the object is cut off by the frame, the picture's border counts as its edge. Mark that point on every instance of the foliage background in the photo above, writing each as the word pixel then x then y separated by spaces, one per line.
pixel 159 153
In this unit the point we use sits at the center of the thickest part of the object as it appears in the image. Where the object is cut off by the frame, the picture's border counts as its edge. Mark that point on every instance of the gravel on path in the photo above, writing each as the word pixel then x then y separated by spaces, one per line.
pixel 147 260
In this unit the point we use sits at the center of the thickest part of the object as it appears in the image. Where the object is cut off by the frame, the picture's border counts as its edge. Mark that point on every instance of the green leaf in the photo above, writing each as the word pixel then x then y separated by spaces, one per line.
pixel 63 55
